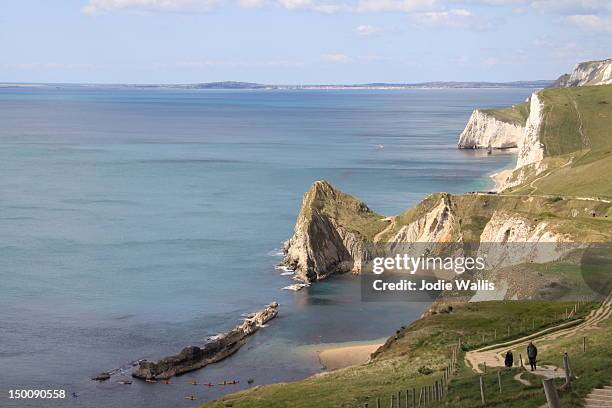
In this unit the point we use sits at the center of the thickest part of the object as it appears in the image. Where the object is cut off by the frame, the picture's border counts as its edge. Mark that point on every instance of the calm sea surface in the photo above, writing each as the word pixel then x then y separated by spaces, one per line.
pixel 136 222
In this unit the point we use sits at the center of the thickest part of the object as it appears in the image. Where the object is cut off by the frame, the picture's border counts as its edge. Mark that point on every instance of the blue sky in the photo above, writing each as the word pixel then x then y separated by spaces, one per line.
pixel 298 41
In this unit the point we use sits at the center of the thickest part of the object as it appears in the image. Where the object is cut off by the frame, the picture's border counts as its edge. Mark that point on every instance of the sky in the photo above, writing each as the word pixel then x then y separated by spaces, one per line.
pixel 299 41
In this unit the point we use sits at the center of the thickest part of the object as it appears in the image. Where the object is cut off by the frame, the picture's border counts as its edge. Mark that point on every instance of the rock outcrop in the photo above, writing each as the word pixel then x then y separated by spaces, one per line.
pixel 216 349
pixel 530 150
pixel 329 234
pixel 587 74
pixel 484 130
pixel 509 239
pixel 437 225
pixel 530 147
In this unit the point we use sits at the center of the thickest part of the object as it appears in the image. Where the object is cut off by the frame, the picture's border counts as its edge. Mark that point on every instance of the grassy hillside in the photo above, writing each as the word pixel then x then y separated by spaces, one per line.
pixel 577 139
pixel 414 357
pixel 345 209
pixel 517 114
pixel 586 220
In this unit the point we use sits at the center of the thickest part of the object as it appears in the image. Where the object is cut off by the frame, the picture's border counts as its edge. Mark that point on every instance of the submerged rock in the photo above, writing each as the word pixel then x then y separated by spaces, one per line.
pixel 103 376
pixel 216 349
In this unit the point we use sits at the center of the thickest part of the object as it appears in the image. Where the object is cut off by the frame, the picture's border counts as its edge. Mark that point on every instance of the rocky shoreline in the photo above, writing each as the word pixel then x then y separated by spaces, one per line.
pixel 215 349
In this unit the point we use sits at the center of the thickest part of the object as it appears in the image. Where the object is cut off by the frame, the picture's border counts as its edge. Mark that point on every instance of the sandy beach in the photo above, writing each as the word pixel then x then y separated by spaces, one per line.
pixel 500 178
pixel 347 354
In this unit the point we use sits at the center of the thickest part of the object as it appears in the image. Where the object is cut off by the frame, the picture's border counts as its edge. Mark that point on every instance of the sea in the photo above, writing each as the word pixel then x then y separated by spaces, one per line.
pixel 135 222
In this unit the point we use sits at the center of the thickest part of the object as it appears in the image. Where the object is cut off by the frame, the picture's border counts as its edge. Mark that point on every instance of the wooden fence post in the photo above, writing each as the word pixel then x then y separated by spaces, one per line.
pixel 391 401
pixel 485 366
pixel 414 398
pixel 407 404
pixel 482 392
pixel 584 344
pixel 499 381
pixel 399 400
pixel 568 371
pixel 521 358
pixel 420 396
pixel 378 402
pixel 551 393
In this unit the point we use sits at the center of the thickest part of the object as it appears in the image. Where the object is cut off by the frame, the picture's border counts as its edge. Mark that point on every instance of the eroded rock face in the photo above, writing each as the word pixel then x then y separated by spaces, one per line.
pixel 216 349
pixel 485 131
pixel 509 239
pixel 530 150
pixel 530 147
pixel 587 74
pixel 437 225
pixel 320 246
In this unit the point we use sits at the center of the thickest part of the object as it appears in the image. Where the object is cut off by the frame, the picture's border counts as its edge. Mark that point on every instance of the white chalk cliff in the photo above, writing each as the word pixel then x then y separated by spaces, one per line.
pixel 531 149
pixel 588 74
pixel 483 131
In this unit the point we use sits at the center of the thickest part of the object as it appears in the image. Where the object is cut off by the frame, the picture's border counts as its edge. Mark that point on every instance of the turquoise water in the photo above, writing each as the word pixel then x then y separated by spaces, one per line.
pixel 136 222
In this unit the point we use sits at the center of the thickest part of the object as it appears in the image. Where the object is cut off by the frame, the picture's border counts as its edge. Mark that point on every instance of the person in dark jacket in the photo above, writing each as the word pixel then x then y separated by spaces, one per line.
pixel 509 360
pixel 532 354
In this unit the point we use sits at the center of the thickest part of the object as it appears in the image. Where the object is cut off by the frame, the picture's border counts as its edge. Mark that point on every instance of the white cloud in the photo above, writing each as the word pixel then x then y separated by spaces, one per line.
pixel 573 6
pixel 251 3
pixel 456 18
pixel 590 22
pixel 295 4
pixel 366 30
pixel 169 6
pixel 337 58
pixel 554 6
pixel 361 6
pixel 365 6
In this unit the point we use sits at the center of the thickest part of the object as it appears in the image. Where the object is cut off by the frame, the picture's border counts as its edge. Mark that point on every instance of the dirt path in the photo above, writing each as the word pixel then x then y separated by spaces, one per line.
pixel 535 188
pixel 493 355
pixel 391 221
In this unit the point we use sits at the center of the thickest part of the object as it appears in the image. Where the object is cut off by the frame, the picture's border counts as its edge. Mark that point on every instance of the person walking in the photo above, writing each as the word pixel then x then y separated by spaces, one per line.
pixel 532 354
pixel 509 359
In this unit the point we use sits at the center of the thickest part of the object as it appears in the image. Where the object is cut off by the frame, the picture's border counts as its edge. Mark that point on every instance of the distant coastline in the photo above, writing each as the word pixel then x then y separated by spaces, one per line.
pixel 228 85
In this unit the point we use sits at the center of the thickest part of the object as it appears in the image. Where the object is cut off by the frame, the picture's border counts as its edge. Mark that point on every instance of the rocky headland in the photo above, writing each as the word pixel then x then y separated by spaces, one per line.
pixel 587 74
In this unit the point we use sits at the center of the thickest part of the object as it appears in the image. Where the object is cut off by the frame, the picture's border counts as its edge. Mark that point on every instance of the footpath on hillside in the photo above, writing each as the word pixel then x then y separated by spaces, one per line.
pixel 493 355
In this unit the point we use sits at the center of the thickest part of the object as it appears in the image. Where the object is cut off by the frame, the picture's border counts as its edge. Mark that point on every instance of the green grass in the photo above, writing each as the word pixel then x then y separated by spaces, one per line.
pixel 425 343
pixel 517 114
pixel 348 211
pixel 577 125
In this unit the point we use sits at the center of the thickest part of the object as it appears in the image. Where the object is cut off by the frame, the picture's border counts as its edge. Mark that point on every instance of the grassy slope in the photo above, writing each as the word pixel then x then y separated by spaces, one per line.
pixel 344 208
pixel 517 114
pixel 425 343
pixel 572 216
pixel 578 125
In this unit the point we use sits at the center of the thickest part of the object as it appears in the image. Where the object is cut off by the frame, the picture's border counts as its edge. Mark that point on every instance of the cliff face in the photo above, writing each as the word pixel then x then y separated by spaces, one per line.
pixel 437 225
pixel 587 74
pixel 329 233
pixel 530 147
pixel 486 131
pixel 530 150
pixel 333 232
